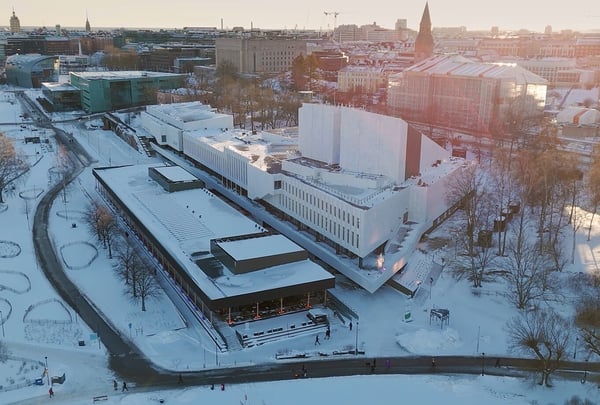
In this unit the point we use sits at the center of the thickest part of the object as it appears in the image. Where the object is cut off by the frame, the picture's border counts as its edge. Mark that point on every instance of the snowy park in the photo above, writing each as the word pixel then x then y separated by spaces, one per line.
pixel 45 338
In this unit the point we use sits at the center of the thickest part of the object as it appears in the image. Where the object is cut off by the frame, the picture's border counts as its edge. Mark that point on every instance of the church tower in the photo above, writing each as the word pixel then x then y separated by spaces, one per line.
pixel 424 41
pixel 15 24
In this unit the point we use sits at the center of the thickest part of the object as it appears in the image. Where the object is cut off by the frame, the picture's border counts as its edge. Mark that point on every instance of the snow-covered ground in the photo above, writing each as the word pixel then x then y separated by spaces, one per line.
pixel 40 328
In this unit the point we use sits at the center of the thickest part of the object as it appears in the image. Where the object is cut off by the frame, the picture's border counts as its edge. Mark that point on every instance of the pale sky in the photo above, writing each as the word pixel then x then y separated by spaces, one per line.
pixel 483 14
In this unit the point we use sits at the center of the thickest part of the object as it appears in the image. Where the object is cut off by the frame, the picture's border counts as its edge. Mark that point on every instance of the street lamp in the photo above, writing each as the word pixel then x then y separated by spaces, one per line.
pixel 499 225
pixel 47 371
pixel 2 322
pixel 482 363
pixel 430 286
pixel 356 343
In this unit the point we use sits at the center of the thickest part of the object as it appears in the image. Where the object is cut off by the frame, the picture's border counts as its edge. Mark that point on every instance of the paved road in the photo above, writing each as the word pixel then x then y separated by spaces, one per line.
pixel 131 365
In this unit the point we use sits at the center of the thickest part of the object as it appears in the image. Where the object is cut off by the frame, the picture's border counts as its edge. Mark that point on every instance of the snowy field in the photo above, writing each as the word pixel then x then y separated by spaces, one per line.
pixel 40 328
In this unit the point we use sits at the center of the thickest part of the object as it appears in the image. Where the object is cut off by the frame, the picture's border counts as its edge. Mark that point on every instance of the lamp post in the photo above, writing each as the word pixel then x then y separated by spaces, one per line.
pixel 575 350
pixel 47 371
pixel 430 286
pixel 499 224
pixel 356 342
pixel 2 322
pixel 482 363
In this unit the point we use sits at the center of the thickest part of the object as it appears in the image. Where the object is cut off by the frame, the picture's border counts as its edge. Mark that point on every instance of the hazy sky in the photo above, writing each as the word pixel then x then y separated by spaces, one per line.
pixel 482 14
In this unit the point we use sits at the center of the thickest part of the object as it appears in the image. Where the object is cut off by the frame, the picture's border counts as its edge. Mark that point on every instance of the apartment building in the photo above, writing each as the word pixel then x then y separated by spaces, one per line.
pixel 366 79
pixel 259 54
pixel 456 92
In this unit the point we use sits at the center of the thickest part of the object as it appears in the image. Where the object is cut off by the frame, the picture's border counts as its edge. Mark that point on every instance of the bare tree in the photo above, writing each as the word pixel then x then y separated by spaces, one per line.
pixel 587 315
pixel 126 264
pixel 146 285
pixel 92 218
pixel 101 221
pixel 593 187
pixel 3 352
pixel 544 334
pixel 13 163
pixel 108 228
pixel 525 268
pixel 468 189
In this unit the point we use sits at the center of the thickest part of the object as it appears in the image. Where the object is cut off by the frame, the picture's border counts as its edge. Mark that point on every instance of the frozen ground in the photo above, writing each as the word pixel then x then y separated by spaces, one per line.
pixel 38 327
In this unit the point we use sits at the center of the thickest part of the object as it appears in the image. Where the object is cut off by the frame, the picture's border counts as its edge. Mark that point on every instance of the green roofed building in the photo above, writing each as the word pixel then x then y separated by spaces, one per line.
pixel 31 70
pixel 107 91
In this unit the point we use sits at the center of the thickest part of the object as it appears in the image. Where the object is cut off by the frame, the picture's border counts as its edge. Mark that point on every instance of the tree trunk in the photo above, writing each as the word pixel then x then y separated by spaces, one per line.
pixel 589 230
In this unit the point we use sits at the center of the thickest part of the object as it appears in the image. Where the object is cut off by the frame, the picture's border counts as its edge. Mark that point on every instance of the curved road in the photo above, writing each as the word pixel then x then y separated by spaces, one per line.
pixel 131 365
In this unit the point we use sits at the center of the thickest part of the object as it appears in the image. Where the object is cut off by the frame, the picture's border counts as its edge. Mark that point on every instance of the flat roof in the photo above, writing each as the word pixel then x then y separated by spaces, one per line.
pixel 126 74
pixel 175 173
pixel 270 245
pixel 184 223
pixel 55 86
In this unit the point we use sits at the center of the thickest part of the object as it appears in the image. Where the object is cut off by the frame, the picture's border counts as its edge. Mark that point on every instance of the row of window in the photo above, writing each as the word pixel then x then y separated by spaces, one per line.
pixel 322 205
pixel 322 222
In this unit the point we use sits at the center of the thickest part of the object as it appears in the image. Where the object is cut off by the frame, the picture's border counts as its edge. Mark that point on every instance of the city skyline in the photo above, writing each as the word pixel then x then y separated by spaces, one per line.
pixel 579 15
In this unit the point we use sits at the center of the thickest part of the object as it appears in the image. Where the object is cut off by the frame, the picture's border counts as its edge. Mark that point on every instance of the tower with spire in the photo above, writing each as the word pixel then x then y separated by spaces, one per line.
pixel 424 41
pixel 15 24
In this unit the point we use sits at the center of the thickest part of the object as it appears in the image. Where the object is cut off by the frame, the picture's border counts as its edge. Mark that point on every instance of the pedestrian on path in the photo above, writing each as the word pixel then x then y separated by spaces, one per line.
pixel 51 392
pixel 115 384
pixel 317 340
pixel 124 387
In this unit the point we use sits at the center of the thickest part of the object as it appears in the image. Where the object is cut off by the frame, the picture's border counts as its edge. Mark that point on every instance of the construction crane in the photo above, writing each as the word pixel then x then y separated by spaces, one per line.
pixel 334 14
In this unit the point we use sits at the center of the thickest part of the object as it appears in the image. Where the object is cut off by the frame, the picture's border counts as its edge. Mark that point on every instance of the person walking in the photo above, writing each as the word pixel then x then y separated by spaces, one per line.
pixel 51 392
pixel 124 387
pixel 317 340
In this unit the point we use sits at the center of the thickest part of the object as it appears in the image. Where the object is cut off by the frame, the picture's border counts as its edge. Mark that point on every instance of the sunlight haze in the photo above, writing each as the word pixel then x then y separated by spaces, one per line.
pixel 475 15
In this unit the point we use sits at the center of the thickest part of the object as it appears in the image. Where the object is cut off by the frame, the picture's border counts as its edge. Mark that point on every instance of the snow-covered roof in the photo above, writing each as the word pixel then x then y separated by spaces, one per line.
pixel 175 173
pixel 184 112
pixel 125 74
pixel 54 86
pixel 250 248
pixel 579 116
pixel 185 222
pixel 457 65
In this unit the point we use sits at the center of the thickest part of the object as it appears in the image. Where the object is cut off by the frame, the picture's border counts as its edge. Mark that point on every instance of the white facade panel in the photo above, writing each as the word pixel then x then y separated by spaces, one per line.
pixel 373 143
pixel 163 133
pixel 319 132
pixel 431 152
